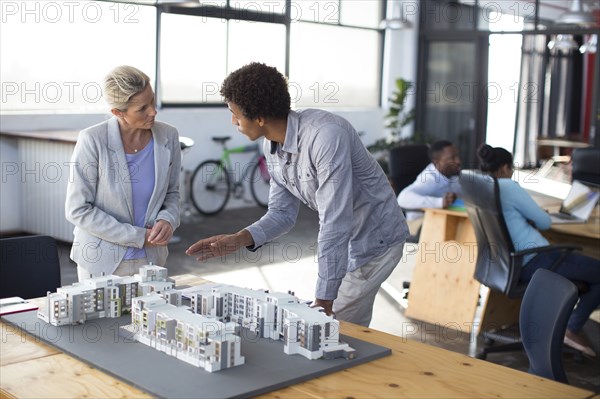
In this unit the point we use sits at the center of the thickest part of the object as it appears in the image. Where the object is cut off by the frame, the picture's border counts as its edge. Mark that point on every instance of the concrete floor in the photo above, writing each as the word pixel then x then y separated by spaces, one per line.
pixel 289 264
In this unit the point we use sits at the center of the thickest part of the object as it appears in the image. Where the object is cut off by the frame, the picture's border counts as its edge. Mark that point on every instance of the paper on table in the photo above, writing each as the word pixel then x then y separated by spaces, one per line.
pixel 15 304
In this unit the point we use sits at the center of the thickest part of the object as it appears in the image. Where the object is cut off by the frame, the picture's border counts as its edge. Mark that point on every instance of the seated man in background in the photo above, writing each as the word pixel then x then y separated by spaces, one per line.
pixel 436 186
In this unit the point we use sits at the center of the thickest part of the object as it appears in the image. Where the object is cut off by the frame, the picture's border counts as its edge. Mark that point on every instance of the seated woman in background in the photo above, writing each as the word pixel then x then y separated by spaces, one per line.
pixel 523 218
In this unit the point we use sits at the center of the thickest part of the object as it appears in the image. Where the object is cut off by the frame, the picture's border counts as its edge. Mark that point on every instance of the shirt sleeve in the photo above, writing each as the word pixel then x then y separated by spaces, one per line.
pixel 529 208
pixel 280 218
pixel 424 192
pixel 409 198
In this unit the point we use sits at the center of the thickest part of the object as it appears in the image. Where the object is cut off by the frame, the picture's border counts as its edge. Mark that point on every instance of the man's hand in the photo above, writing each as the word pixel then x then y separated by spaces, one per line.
pixel 160 234
pixel 449 198
pixel 220 245
pixel 327 306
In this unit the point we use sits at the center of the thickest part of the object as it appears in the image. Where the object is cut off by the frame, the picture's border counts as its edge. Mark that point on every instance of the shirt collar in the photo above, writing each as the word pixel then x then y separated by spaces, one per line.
pixel 290 144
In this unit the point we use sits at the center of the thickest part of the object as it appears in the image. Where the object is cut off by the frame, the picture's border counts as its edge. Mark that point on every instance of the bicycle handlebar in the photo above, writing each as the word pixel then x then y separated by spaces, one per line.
pixel 244 148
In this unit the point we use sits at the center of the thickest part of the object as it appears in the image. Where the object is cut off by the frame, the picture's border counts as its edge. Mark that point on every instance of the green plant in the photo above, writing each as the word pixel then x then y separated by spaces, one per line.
pixel 396 118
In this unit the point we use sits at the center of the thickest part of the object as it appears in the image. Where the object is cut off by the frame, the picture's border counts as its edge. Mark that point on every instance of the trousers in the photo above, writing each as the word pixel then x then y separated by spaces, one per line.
pixel 357 292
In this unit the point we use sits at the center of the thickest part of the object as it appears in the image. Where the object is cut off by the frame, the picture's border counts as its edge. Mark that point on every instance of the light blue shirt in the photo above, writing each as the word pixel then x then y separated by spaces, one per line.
pixel 519 209
pixel 324 164
pixel 427 191
pixel 141 177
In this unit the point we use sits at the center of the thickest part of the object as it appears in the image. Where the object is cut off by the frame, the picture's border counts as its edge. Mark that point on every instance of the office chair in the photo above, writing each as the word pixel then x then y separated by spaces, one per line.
pixel 29 266
pixel 547 304
pixel 585 165
pixel 498 264
pixel 406 162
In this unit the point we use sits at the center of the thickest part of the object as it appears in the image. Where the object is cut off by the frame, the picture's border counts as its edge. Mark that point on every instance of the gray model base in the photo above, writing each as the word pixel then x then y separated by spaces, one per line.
pixel 267 368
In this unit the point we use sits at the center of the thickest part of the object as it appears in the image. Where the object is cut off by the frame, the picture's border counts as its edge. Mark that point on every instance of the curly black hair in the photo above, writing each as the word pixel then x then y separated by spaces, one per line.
pixel 259 90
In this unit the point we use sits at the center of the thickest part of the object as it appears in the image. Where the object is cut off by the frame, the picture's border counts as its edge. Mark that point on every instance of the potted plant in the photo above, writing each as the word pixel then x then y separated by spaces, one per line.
pixel 395 120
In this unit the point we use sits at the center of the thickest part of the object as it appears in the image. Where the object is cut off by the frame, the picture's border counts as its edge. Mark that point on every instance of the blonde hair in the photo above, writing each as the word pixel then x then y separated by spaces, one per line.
pixel 121 84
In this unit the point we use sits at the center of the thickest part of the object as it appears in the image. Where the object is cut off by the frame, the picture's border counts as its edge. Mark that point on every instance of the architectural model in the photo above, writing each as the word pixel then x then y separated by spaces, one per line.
pixel 104 296
pixel 277 316
pixel 209 332
pixel 201 341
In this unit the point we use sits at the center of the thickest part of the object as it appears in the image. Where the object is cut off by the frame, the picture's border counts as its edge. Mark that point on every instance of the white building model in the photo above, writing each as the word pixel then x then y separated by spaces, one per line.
pixel 103 297
pixel 206 335
pixel 278 316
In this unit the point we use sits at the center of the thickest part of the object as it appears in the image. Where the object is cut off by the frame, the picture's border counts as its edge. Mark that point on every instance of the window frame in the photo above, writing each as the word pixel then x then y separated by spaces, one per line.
pixel 235 13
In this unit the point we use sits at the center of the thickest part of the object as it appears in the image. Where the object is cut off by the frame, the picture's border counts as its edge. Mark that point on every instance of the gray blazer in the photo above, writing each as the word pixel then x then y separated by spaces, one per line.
pixel 99 197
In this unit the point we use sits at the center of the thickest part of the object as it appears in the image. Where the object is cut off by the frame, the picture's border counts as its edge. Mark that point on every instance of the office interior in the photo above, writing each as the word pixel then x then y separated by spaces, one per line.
pixel 517 74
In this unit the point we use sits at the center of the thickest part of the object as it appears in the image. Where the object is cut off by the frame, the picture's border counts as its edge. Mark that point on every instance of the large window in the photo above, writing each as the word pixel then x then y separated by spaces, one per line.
pixel 197 53
pixel 489 72
pixel 333 75
pixel 54 54
pixel 330 50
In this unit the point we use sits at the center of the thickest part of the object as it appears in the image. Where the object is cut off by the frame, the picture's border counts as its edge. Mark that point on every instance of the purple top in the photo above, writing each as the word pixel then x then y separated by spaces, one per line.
pixel 141 173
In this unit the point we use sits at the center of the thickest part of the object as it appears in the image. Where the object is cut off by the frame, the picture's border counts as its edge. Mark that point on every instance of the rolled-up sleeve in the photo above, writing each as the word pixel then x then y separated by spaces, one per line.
pixel 279 219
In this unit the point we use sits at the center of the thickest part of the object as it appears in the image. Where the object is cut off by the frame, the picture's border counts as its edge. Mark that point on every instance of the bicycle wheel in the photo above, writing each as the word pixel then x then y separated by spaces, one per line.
pixel 210 187
pixel 260 182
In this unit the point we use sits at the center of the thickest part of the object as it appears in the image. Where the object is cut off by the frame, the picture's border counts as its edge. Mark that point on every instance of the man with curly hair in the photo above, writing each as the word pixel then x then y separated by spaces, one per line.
pixel 317 158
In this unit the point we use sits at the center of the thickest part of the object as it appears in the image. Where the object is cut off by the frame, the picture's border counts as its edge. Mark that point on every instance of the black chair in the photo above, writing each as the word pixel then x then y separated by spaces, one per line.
pixel 406 162
pixel 545 310
pixel 585 164
pixel 29 266
pixel 498 264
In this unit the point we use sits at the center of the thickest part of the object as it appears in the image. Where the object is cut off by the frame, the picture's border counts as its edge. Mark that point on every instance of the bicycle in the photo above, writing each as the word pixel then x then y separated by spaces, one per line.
pixel 213 181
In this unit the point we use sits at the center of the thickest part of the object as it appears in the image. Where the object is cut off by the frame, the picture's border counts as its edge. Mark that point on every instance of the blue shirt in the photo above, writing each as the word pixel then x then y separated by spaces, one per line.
pixel 519 209
pixel 427 191
pixel 141 176
pixel 323 164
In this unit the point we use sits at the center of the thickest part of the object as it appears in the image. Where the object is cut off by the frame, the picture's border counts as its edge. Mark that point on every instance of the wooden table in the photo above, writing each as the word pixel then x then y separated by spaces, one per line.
pixel 414 370
pixel 442 288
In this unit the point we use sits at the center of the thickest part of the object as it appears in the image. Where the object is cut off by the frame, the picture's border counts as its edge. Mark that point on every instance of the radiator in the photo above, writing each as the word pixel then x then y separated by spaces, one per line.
pixel 44 176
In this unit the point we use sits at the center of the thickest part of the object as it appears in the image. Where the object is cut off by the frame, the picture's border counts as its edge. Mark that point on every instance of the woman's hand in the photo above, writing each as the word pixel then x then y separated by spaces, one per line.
pixel 160 234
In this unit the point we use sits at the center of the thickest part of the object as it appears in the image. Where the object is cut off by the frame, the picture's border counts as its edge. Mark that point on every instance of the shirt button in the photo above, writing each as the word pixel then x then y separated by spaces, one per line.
pixel 381 242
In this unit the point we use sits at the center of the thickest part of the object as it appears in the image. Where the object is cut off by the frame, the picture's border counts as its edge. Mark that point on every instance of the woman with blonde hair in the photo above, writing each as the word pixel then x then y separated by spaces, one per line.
pixel 123 190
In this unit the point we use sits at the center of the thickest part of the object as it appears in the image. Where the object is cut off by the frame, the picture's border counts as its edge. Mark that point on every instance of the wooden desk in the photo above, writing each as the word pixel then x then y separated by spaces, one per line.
pixel 442 288
pixel 414 370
